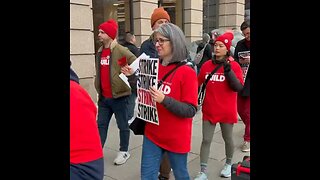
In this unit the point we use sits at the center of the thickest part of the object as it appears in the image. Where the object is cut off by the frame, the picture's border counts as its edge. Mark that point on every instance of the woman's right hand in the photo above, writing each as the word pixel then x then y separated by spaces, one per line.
pixel 156 94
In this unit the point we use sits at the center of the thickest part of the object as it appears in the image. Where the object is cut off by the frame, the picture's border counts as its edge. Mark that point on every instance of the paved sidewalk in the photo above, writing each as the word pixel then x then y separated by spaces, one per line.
pixel 131 169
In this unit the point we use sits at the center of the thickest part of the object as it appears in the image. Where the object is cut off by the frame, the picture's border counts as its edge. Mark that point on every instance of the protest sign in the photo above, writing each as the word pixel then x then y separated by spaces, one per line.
pixel 244 67
pixel 148 76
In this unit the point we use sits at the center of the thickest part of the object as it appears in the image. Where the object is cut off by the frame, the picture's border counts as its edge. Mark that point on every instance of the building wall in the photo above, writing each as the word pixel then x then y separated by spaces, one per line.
pixel 193 17
pixel 231 13
pixel 142 11
pixel 82 43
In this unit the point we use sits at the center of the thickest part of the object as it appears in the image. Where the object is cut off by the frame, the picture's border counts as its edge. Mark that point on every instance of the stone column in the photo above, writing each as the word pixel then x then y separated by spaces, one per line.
pixel 82 43
pixel 193 18
pixel 127 15
pixel 142 11
pixel 179 14
pixel 231 13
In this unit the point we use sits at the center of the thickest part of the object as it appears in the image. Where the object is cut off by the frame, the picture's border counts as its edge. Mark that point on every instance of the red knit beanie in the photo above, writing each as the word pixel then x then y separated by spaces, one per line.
pixel 159 13
pixel 226 39
pixel 110 27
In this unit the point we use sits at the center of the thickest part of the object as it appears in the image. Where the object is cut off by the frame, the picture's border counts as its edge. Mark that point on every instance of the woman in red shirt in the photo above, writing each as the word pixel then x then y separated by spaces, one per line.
pixel 176 105
pixel 220 102
pixel 176 102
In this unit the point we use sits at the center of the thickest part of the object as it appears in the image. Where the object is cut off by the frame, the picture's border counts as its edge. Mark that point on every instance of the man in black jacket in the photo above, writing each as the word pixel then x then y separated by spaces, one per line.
pixel 242 56
pixel 130 41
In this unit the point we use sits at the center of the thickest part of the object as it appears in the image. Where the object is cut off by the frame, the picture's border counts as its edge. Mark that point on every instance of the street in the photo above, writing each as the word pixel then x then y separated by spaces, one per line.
pixel 131 169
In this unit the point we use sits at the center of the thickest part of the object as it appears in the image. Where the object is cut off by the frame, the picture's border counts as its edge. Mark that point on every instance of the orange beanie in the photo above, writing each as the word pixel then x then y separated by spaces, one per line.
pixel 159 13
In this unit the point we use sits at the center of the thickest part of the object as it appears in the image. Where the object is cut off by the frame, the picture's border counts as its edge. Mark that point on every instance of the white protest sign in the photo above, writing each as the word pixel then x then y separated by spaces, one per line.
pixel 148 76
pixel 134 65
pixel 244 67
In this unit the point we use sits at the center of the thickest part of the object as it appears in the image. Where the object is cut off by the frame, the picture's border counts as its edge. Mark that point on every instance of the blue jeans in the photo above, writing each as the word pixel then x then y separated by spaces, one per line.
pixel 131 105
pixel 93 170
pixel 106 108
pixel 152 156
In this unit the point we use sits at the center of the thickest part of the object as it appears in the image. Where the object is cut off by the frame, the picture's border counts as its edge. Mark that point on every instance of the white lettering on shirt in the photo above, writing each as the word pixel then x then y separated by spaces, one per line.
pixel 217 77
pixel 105 60
pixel 165 89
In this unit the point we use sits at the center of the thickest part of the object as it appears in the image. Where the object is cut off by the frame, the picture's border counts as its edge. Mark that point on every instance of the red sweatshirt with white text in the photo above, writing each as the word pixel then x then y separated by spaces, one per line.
pixel 220 101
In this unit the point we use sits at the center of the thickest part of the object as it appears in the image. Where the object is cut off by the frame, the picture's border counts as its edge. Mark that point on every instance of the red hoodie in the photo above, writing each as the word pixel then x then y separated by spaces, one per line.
pixel 85 144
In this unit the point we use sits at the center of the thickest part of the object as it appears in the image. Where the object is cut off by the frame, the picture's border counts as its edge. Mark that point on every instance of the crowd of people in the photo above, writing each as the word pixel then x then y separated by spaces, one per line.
pixel 166 145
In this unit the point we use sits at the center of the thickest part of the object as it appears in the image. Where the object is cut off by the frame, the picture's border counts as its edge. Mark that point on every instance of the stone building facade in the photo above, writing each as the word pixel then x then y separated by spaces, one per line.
pixel 194 17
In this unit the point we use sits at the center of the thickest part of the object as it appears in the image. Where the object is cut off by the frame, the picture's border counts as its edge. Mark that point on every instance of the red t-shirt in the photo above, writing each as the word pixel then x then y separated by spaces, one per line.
pixel 220 101
pixel 105 73
pixel 85 144
pixel 173 132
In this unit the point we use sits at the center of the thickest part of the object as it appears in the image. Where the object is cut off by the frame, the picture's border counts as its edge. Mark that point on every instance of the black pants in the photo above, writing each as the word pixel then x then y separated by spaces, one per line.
pixel 93 170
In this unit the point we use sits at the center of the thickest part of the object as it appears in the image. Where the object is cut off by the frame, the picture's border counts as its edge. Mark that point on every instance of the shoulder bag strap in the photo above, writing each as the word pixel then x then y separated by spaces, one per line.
pixel 165 76
pixel 209 76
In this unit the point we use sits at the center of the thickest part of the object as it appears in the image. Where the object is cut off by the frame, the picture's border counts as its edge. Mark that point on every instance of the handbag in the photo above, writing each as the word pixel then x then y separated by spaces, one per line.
pixel 138 125
pixel 203 87
pixel 198 57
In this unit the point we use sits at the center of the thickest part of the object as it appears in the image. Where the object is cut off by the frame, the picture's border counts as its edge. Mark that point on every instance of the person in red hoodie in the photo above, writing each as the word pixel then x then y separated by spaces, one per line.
pixel 220 102
pixel 86 156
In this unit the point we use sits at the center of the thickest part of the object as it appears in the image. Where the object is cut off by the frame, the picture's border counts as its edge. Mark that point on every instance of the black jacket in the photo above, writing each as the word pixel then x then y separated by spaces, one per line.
pixel 132 48
pixel 149 49
pixel 241 46
pixel 74 76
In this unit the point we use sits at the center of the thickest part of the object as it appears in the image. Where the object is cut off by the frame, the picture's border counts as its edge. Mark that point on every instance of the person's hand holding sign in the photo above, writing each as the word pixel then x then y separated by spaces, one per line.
pixel 127 70
pixel 156 95
pixel 244 59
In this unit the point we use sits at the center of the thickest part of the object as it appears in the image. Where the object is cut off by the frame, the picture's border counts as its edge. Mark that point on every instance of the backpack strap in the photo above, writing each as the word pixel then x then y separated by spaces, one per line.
pixel 201 93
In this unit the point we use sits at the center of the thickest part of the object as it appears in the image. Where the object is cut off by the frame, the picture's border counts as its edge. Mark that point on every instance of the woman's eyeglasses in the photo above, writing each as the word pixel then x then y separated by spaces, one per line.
pixel 160 41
